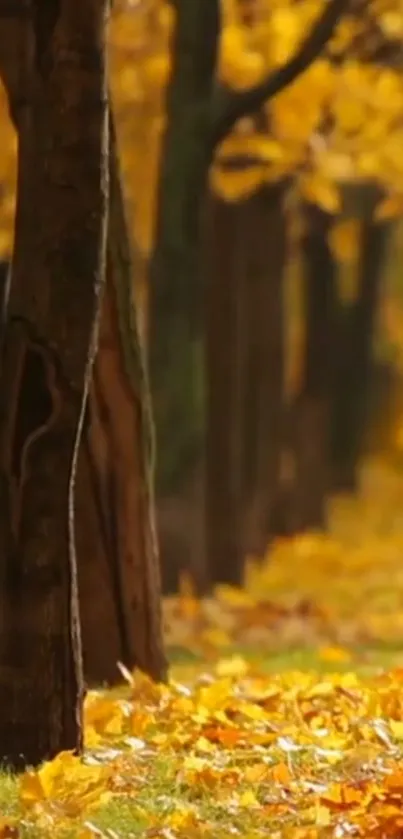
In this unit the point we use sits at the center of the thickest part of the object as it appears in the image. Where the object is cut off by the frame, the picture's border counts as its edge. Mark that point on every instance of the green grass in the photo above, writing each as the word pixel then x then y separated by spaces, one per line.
pixel 364 660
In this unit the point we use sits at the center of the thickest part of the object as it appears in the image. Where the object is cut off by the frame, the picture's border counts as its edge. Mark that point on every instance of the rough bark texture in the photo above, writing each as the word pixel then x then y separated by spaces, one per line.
pixel 109 631
pixel 311 410
pixel 48 343
pixel 354 360
pixel 119 581
pixel 176 293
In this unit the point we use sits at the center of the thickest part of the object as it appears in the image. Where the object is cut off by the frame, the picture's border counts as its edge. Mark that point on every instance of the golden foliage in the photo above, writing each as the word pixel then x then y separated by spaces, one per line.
pixel 294 755
pixel 336 123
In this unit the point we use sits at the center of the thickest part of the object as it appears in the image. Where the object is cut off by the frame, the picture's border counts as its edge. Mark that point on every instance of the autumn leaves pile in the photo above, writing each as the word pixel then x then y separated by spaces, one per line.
pixel 294 755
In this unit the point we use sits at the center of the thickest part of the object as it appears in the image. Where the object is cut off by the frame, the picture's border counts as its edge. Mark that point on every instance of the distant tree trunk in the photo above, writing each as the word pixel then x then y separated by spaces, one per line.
pixel 245 354
pixel 119 578
pixel 263 398
pixel 175 323
pixel 310 413
pixel 354 360
pixel 48 348
pixel 225 335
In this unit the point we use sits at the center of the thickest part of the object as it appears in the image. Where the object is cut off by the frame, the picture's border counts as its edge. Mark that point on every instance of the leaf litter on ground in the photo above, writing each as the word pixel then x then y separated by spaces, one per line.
pixel 232 748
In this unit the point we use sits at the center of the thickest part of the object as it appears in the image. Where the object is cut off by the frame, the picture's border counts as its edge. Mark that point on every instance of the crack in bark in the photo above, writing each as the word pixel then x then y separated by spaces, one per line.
pixel 34 400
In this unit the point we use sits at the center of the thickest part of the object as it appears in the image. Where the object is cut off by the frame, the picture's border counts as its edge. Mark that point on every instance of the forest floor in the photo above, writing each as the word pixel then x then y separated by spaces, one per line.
pixel 284 714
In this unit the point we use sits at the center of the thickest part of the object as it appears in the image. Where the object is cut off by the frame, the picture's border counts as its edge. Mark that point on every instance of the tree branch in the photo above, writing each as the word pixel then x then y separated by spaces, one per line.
pixel 229 106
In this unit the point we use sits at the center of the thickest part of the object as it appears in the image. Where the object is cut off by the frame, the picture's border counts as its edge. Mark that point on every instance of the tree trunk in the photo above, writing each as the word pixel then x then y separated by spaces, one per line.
pixel 49 343
pixel 225 335
pixel 263 401
pixel 245 373
pixel 311 410
pixel 355 358
pixel 108 574
pixel 118 558
pixel 175 328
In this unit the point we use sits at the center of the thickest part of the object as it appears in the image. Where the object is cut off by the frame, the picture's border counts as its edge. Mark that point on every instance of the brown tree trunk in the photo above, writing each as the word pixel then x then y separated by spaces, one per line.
pixel 245 375
pixel 48 347
pixel 110 577
pixel 354 360
pixel 175 328
pixel 263 400
pixel 224 356
pixel 117 548
pixel 311 410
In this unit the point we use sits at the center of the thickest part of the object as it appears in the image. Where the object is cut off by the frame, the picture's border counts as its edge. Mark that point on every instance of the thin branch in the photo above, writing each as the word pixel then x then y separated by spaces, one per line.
pixel 229 106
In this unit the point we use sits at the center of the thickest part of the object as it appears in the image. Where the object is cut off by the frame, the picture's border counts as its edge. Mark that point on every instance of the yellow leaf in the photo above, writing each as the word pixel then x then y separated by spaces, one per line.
pixel 256 774
pixel 318 190
pixel 182 818
pixel 216 695
pixel 104 715
pixel 239 66
pixel 396 727
pixel 234 666
pixel 281 774
pixel 248 799
pixel 139 722
pixel 192 763
pixel 234 186
pixel 253 711
pixel 31 789
pixel 391 207
pixel 286 32
pixel 322 816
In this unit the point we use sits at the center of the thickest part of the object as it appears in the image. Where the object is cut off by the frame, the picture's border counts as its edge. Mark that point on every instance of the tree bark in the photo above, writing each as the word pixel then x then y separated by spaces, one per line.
pixel 355 359
pixel 49 344
pixel 108 574
pixel 310 419
pixel 118 558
